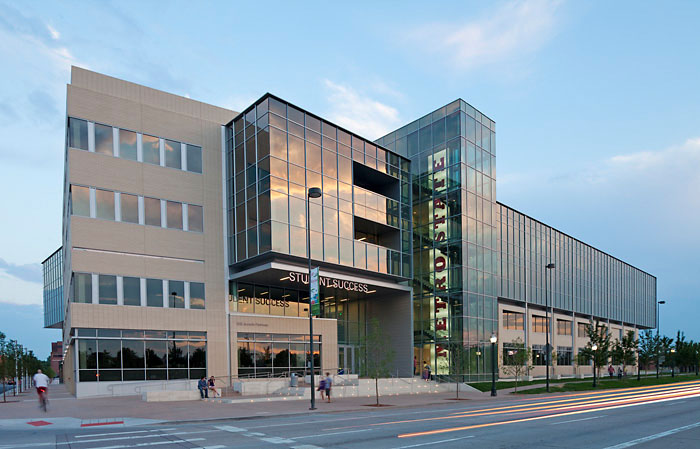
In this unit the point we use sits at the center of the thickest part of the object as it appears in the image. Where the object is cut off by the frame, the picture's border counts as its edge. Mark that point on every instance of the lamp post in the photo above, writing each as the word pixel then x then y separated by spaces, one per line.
pixel 550 266
pixel 658 315
pixel 313 192
pixel 673 362
pixel 594 348
pixel 494 340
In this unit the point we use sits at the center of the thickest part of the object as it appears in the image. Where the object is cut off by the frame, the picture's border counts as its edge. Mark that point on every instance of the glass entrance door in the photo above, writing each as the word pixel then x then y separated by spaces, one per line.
pixel 346 359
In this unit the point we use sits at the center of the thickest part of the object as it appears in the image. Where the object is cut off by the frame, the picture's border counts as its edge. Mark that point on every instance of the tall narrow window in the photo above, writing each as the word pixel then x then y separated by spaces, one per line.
pixel 194 218
pixel 129 208
pixel 82 288
pixel 132 291
pixel 151 149
pixel 196 295
pixel 152 211
pixel 108 289
pixel 127 144
pixel 103 139
pixel 154 293
pixel 77 134
pixel 80 201
pixel 173 156
pixel 176 294
pixel 194 158
pixel 105 204
pixel 174 215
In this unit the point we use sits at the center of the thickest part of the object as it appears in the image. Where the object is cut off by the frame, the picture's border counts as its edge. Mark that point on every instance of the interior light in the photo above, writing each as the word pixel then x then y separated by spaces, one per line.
pixel 328 297
pixel 372 291
pixel 263 293
pixel 361 239
pixel 284 296
pixel 241 290
pixel 285 279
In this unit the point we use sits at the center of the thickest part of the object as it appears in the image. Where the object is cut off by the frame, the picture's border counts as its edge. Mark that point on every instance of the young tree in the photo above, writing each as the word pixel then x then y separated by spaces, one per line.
pixel 628 350
pixel 458 363
pixel 516 360
pixel 597 335
pixel 664 350
pixel 377 355
pixel 647 349
pixel 3 365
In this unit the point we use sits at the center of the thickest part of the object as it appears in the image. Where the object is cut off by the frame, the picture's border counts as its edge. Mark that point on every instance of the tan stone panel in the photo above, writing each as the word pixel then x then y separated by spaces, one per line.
pixel 136 317
pixel 175 270
pixel 173 243
pixel 171 125
pixel 108 235
pixel 105 84
pixel 103 108
pixel 217 114
pixel 171 184
pixel 108 263
pixel 107 172
pixel 170 102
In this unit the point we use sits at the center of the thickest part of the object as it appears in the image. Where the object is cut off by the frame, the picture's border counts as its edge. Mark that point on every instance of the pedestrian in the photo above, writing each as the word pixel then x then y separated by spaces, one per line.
pixel 611 371
pixel 322 387
pixel 212 386
pixel 415 366
pixel 328 384
pixel 619 373
pixel 202 385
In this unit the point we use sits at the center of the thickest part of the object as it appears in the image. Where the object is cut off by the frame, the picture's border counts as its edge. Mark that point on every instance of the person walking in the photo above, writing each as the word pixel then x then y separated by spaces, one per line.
pixel 212 386
pixel 202 385
pixel 41 382
pixel 426 371
pixel 327 386
pixel 611 371
pixel 322 387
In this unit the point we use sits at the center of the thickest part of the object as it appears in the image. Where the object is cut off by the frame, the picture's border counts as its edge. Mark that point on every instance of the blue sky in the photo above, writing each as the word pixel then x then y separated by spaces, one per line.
pixel 596 103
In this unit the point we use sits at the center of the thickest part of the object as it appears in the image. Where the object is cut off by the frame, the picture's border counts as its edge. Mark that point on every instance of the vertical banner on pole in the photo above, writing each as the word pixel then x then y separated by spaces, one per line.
pixel 315 306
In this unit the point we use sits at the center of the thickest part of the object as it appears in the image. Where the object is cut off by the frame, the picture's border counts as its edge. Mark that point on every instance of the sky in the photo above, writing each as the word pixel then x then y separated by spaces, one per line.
pixel 597 108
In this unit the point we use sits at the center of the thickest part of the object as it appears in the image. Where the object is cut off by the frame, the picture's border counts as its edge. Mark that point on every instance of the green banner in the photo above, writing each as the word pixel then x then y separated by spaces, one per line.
pixel 313 286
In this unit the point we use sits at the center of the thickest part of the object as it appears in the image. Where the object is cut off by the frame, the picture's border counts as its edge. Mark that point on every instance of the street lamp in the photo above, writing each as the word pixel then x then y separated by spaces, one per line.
pixel 494 339
pixel 313 192
pixel 673 362
pixel 594 348
pixel 657 334
pixel 550 266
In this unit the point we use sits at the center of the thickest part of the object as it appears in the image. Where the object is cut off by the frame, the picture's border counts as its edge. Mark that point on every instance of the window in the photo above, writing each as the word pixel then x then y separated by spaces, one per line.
pixel 154 293
pixel 563 327
pixel 176 294
pixel 194 158
pixel 108 289
pixel 80 201
pixel 539 354
pixel 581 327
pixel 196 295
pixel 127 144
pixel 103 139
pixel 173 156
pixel 539 324
pixel 132 291
pixel 510 351
pixel 564 355
pixel 151 149
pixel 174 218
pixel 513 320
pixel 105 204
pixel 152 211
pixel 83 288
pixel 129 208
pixel 77 134
pixel 194 218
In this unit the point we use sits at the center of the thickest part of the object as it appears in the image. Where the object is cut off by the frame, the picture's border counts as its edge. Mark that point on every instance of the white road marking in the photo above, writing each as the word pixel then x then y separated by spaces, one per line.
pixel 277 440
pixel 435 442
pixel 306 446
pixel 122 433
pixel 654 437
pixel 230 429
pixel 154 443
pixel 218 446
pixel 575 420
pixel 327 434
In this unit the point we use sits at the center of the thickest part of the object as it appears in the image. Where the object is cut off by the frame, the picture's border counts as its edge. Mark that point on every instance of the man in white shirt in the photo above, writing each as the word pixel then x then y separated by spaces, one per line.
pixel 41 382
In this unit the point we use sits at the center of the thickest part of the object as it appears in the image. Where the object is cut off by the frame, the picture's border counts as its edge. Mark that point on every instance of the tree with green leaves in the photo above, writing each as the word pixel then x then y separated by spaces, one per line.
pixel 4 360
pixel 597 335
pixel 627 355
pixel 458 363
pixel 377 356
pixel 664 351
pixel 647 349
pixel 516 360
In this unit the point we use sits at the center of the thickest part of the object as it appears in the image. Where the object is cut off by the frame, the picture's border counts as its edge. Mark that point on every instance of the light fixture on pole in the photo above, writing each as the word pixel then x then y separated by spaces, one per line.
pixel 658 316
pixel 594 348
pixel 313 192
pixel 673 362
pixel 549 266
pixel 494 349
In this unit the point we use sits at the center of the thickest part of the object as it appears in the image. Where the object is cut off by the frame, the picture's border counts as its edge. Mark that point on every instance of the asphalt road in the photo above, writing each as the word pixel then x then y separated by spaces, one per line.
pixel 651 417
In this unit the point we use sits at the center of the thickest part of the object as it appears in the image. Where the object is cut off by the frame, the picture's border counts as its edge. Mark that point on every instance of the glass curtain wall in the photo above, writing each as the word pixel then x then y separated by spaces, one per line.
pixel 453 168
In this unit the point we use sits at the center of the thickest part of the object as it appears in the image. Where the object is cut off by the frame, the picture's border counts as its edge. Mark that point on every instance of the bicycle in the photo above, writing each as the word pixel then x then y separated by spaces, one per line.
pixel 43 399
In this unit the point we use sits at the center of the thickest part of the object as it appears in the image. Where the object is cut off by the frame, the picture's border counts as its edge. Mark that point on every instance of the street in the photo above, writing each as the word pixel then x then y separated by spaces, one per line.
pixel 650 417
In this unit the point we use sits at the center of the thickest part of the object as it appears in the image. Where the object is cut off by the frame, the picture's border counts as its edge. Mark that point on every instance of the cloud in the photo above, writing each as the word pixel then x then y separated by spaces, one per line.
pixel 360 113
pixel 510 31
pixel 30 272
pixel 55 35
pixel 16 290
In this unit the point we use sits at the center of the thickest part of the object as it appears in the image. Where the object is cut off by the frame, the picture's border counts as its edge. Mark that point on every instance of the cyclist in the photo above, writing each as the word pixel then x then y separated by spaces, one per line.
pixel 41 382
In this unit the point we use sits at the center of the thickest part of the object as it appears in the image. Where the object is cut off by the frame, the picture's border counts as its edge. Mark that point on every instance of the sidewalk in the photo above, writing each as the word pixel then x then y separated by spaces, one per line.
pixel 65 410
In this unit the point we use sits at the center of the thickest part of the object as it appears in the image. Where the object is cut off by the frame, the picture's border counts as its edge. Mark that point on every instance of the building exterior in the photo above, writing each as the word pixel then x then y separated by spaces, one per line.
pixel 56 358
pixel 185 248
pixel 52 270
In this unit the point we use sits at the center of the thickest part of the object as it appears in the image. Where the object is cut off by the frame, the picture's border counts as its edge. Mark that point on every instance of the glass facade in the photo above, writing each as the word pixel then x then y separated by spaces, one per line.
pixel 123 355
pixel 275 152
pixel 264 355
pixel 52 269
pixel 585 281
pixel 453 169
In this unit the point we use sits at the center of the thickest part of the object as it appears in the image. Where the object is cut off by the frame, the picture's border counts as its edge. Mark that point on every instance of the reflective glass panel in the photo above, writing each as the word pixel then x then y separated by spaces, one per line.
pixel 196 295
pixel 151 149
pixel 174 215
pixel 80 201
pixel 108 289
pixel 194 218
pixel 105 204
pixel 173 154
pixel 132 291
pixel 129 208
pixel 77 134
pixel 194 158
pixel 127 144
pixel 152 211
pixel 103 139
pixel 154 293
